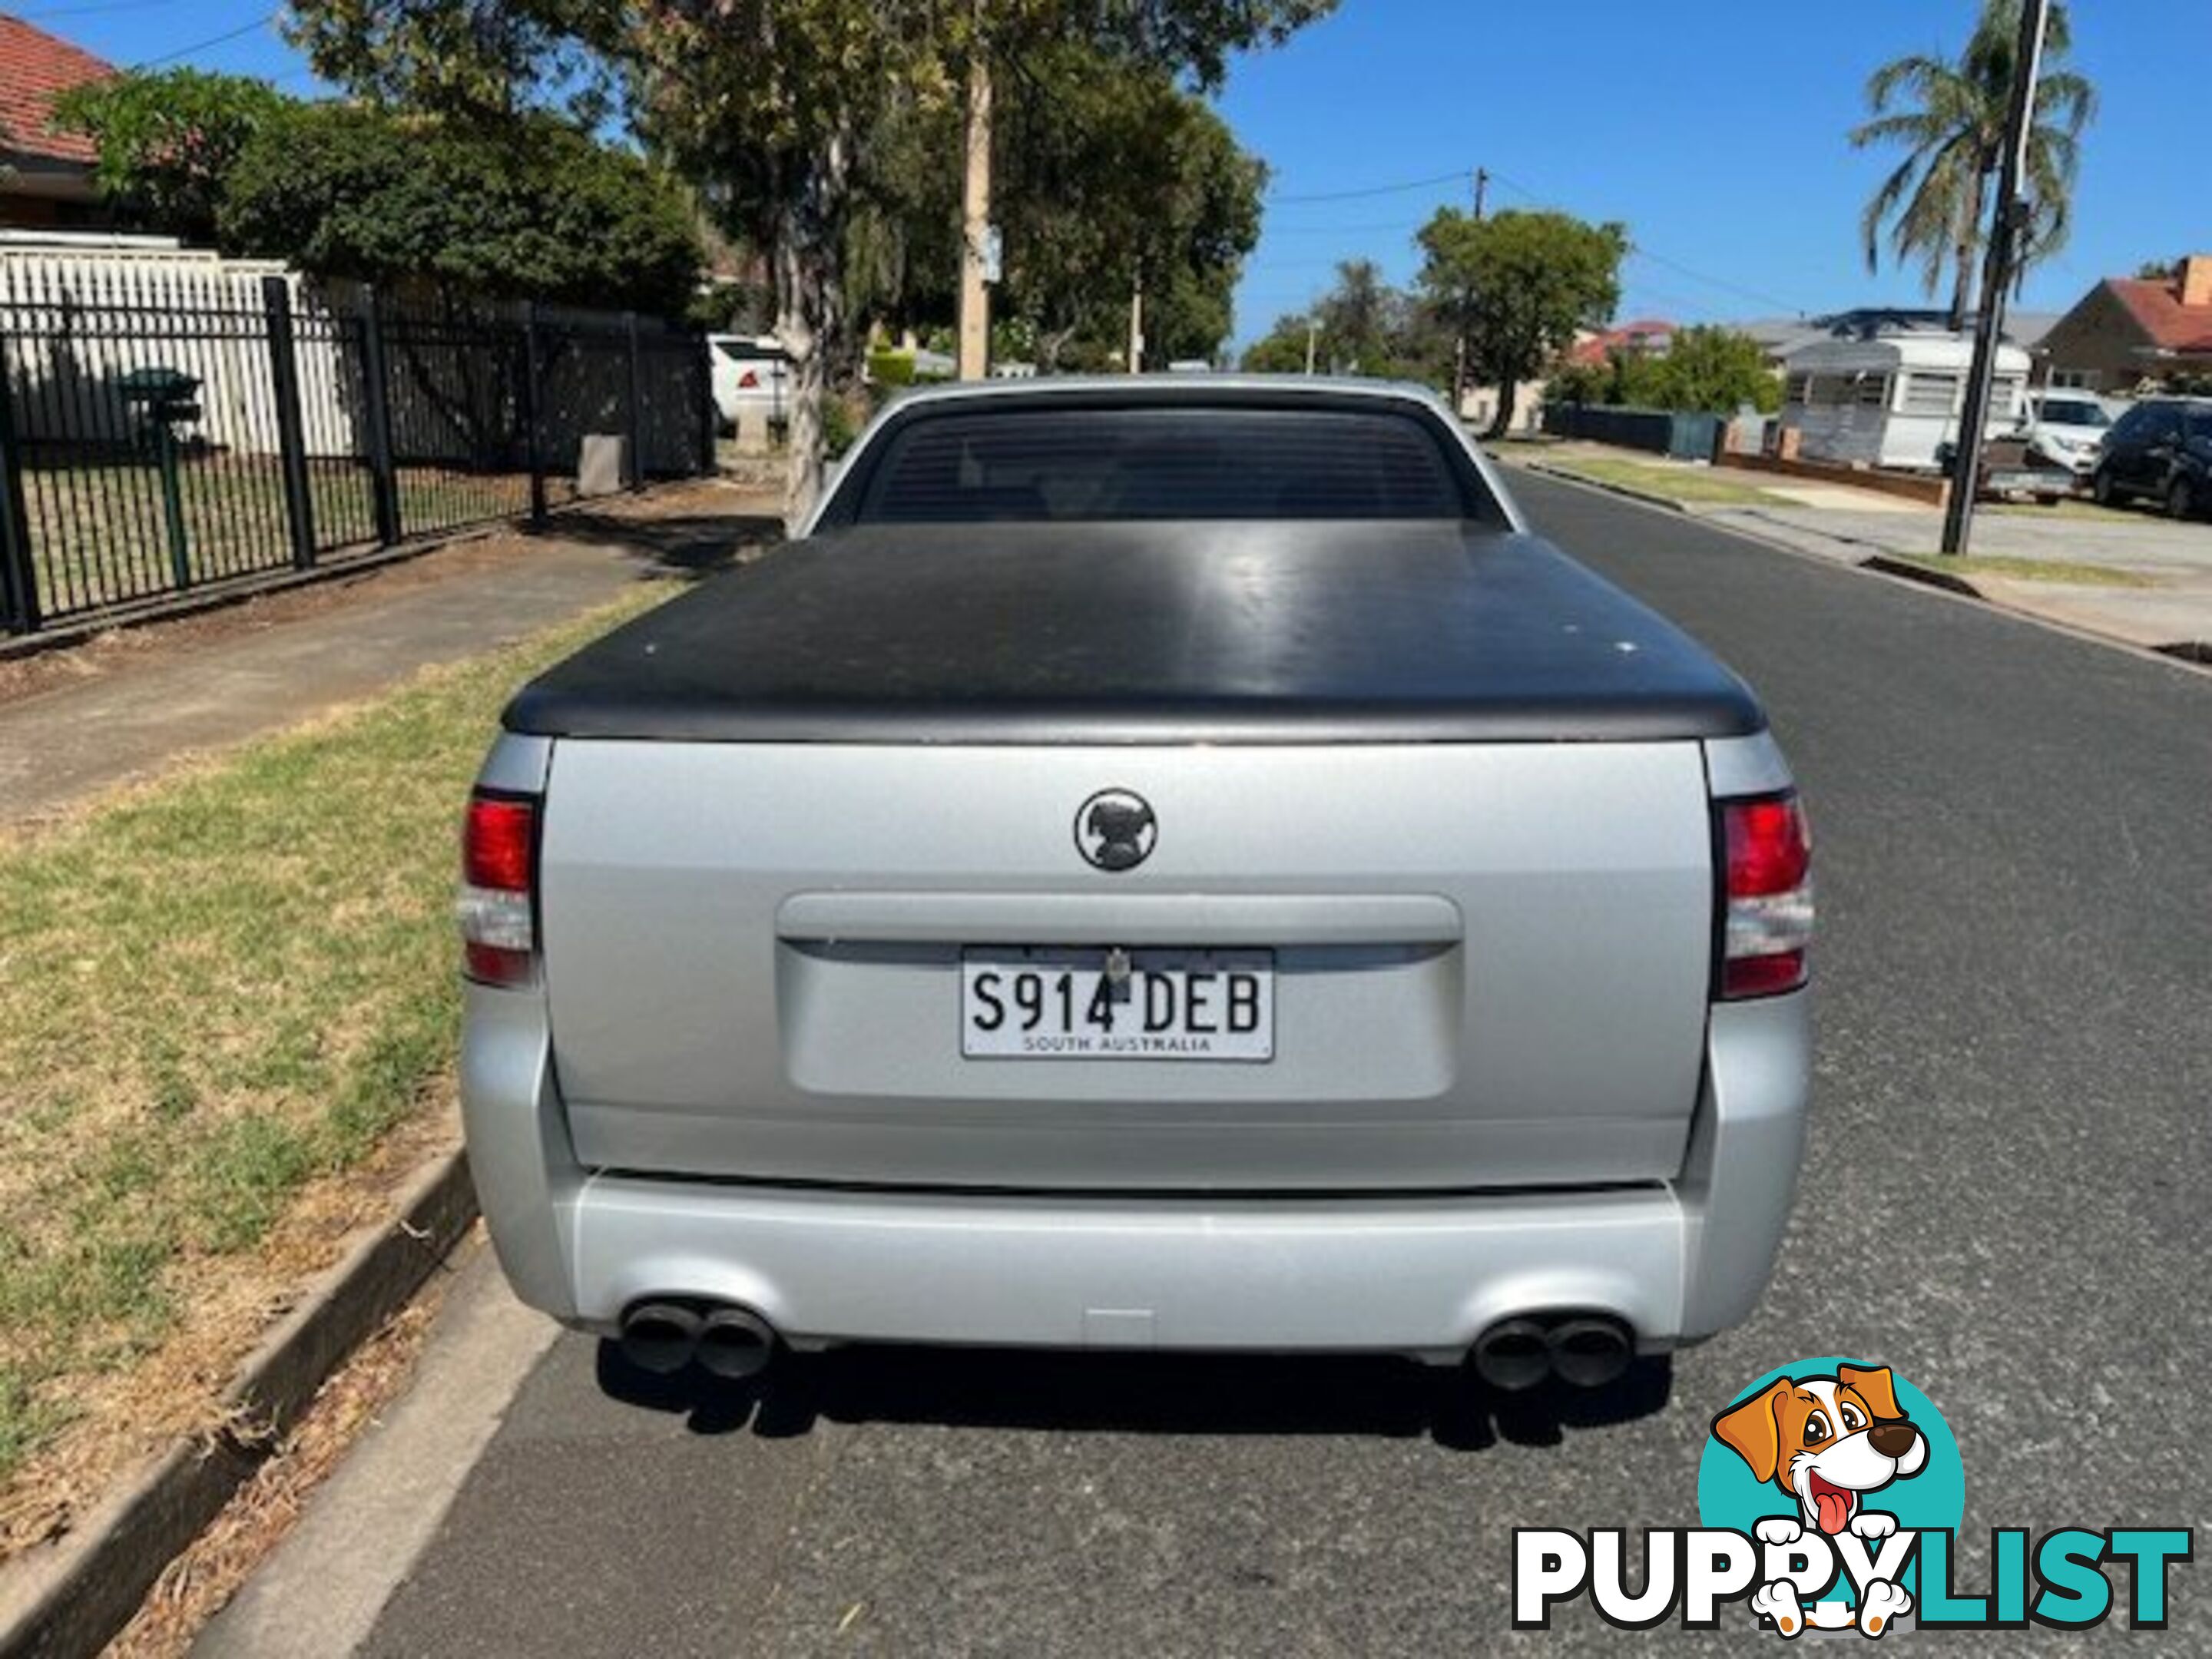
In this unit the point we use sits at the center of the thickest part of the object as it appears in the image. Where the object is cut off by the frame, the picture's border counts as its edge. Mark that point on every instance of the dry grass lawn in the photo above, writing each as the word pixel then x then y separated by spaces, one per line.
pixel 2066 571
pixel 230 1015
pixel 1696 486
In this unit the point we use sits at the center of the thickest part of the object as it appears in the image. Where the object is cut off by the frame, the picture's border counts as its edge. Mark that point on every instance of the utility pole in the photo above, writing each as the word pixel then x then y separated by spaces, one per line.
pixel 1481 189
pixel 1313 339
pixel 2011 217
pixel 975 224
pixel 1137 325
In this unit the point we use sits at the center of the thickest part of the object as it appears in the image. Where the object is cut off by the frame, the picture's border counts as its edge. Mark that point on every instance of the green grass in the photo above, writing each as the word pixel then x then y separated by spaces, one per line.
pixel 2070 506
pixel 1692 486
pixel 100 534
pixel 220 987
pixel 2030 570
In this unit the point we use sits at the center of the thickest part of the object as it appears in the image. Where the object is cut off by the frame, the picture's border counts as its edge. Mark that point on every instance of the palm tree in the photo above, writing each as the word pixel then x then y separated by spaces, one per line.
pixel 1950 116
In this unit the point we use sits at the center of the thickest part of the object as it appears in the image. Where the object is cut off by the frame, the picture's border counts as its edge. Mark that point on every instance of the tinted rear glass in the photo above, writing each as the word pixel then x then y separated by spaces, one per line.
pixel 1220 462
pixel 2073 411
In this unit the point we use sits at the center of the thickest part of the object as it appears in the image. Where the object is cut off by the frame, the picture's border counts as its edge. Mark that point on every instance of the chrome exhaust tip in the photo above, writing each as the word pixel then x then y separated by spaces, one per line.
pixel 736 1343
pixel 659 1337
pixel 1513 1355
pixel 1590 1351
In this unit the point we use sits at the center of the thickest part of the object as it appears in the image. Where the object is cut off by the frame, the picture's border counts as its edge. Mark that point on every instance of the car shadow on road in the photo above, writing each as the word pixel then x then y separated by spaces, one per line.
pixel 1135 1392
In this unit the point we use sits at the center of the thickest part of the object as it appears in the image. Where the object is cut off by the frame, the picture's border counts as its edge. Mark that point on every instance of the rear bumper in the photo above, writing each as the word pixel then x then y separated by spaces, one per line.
pixel 1423 1276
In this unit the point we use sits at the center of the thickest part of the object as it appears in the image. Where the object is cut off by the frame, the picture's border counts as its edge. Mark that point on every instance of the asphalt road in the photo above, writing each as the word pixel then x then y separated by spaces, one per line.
pixel 2005 1199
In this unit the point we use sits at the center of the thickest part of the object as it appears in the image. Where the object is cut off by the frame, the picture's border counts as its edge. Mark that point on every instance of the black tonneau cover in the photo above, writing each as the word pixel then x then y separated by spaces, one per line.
pixel 1238 632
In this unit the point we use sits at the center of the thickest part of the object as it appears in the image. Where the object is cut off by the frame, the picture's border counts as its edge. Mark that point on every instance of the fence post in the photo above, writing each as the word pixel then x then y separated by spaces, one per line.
pixel 637 445
pixel 710 417
pixel 533 391
pixel 19 581
pixel 376 408
pixel 291 433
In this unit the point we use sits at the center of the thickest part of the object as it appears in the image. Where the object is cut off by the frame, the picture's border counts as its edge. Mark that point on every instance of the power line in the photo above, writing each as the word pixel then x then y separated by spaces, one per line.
pixel 87 11
pixel 1721 282
pixel 213 40
pixel 1408 226
pixel 1675 265
pixel 1451 178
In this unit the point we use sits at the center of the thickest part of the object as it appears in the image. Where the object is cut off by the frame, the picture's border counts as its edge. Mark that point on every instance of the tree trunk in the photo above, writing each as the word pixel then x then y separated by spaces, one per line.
pixel 806 236
pixel 1502 421
pixel 1966 253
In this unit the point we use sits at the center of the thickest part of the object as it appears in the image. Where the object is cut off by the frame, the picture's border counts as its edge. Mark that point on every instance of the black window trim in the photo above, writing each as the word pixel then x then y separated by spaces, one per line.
pixel 852 484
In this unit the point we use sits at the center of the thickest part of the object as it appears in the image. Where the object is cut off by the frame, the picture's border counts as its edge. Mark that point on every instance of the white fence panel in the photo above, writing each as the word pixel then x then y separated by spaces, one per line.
pixel 78 321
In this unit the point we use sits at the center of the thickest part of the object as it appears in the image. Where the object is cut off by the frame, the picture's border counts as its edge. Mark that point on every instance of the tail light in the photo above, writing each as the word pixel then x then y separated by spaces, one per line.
pixel 748 381
pixel 1767 919
pixel 497 909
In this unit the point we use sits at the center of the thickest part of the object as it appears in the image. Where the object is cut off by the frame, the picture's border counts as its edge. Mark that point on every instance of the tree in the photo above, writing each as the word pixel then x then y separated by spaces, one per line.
pixel 1703 370
pixel 1282 350
pixel 1360 317
pixel 1513 289
pixel 526 206
pixel 1362 325
pixel 775 104
pixel 1109 179
pixel 1950 118
pixel 167 142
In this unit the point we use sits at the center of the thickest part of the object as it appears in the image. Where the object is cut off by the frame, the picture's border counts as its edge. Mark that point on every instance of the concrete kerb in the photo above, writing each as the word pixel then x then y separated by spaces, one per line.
pixel 2195 655
pixel 68 1597
pixel 1648 497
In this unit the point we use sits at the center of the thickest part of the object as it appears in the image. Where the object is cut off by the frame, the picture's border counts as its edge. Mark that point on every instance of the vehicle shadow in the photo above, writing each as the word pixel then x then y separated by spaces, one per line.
pixel 1135 1392
pixel 680 544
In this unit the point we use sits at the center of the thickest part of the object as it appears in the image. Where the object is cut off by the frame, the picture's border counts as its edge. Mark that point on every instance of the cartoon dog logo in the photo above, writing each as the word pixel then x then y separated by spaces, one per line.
pixel 1826 1442
pixel 1116 829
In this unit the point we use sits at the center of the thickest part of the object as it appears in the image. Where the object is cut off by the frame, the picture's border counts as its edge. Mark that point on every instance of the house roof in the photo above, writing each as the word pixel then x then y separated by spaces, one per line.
pixel 35 68
pixel 1623 336
pixel 2157 309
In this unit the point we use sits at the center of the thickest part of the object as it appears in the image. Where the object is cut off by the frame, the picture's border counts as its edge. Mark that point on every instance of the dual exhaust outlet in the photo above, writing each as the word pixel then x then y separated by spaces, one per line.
pixel 664 1337
pixel 1585 1350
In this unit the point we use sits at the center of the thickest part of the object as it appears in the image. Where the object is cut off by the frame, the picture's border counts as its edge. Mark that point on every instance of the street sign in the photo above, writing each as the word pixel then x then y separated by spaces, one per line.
pixel 993 247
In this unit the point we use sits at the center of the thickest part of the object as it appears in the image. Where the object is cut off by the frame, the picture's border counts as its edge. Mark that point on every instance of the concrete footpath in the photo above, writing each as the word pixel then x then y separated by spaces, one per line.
pixel 2161 598
pixel 2157 593
pixel 129 706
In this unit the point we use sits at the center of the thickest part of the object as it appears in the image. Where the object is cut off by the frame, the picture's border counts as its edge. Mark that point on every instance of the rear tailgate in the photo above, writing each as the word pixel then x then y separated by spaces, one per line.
pixel 1490 961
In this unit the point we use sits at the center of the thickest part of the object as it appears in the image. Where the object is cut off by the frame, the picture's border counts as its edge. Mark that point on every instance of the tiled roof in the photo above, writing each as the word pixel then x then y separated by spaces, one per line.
pixel 1627 337
pixel 35 67
pixel 2157 308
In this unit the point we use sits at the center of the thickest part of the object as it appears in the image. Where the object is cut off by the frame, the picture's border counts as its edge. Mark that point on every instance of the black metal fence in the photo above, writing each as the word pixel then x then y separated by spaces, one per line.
pixel 148 450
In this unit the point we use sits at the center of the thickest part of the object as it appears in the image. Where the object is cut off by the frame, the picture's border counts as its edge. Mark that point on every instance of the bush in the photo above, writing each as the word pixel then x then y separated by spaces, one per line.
pixel 528 207
pixel 889 367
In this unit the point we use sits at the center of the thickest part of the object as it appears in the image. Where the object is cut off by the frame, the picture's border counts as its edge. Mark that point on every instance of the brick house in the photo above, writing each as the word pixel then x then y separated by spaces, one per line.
pixel 45 177
pixel 2128 329
pixel 1650 337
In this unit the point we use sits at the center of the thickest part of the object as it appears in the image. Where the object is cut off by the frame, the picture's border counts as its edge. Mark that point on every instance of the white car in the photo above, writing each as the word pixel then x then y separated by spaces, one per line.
pixel 2066 429
pixel 752 373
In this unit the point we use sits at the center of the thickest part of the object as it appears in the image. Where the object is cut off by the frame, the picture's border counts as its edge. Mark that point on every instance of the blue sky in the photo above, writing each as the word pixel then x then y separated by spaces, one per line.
pixel 1715 131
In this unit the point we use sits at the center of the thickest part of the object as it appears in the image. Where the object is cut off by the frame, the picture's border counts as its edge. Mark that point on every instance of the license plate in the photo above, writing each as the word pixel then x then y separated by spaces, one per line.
pixel 1050 1003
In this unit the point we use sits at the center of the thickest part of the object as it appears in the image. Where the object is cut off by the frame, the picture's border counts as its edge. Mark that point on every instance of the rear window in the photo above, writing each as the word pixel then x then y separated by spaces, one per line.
pixel 1044 464
pixel 2073 411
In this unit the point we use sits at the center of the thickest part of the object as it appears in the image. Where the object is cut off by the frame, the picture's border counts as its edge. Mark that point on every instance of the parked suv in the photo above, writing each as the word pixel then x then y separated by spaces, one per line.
pixel 2160 450
pixel 2064 429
